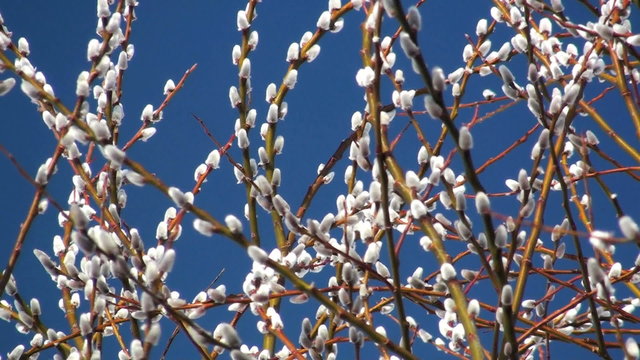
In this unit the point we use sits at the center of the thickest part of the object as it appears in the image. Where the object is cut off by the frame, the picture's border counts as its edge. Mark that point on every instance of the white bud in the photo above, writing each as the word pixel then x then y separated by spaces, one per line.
pixel 324 21
pixel 373 253
pixel 203 227
pixel 234 96
pixel 313 52
pixel 93 49
pixel 414 18
pixel 218 295
pixel 375 191
pixel 147 113
pixel 114 23
pixel 506 297
pixel 213 159
pixel 437 78
pixel 131 50
pixel 473 308
pixel 390 8
pixel 506 75
pixel 591 138
pixel 242 21
pixel 485 47
pixel 501 236
pixel 291 78
pixel 456 90
pixel 628 227
pixel 133 177
pixel 272 114
pixel 4 41
pixel 113 154
pixel 615 271
pixel 406 99
pixel 177 196
pixel 103 9
pixel 276 178
pixel 23 46
pixel 467 53
pixel 572 91
pixel 447 271
pixel 461 201
pixel 245 69
pixel 465 140
pixel 168 259
pixel 293 52
pixel 481 27
pixel 104 240
pixel 461 228
pixel 456 75
pixel 236 52
pixel 410 48
pixel 523 180
pixel 595 271
pixel 278 144
pixel 228 335
pixel 257 254
pixel 434 110
pixel 280 204
pixel 169 86
pixel 399 75
pixel 557 6
pixel 16 353
pixel 423 155
pixel 634 40
pixel 543 139
pixel 271 92
pixel 483 205
pixel 254 38
pixel 505 50
pixel 418 209
pixel 426 243
pixel 7 85
pixel 147 133
pixel 631 346
pixel 605 31
pixel 365 77
pixel 356 120
pixel 243 139
pixel 233 223
pixel 153 335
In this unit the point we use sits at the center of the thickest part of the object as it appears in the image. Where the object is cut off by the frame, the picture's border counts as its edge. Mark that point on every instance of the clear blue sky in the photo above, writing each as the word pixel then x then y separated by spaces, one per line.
pixel 170 37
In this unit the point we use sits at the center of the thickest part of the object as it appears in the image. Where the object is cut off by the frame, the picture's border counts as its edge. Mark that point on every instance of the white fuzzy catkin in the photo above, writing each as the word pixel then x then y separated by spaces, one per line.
pixel 437 78
pixel 7 85
pixel 447 271
pixel 324 21
pixel 465 140
pixel 233 223
pixel 434 110
pixel 418 209
pixel 257 254
pixel 481 27
pixel 291 78
pixel 483 205
pixel 414 18
pixel 177 196
pixel 506 297
pixel 293 52
pixel 628 227
pixel 410 48
pixel 242 21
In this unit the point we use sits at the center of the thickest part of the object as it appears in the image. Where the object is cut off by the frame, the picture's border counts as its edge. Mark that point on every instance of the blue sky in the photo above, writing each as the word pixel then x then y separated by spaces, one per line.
pixel 169 38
